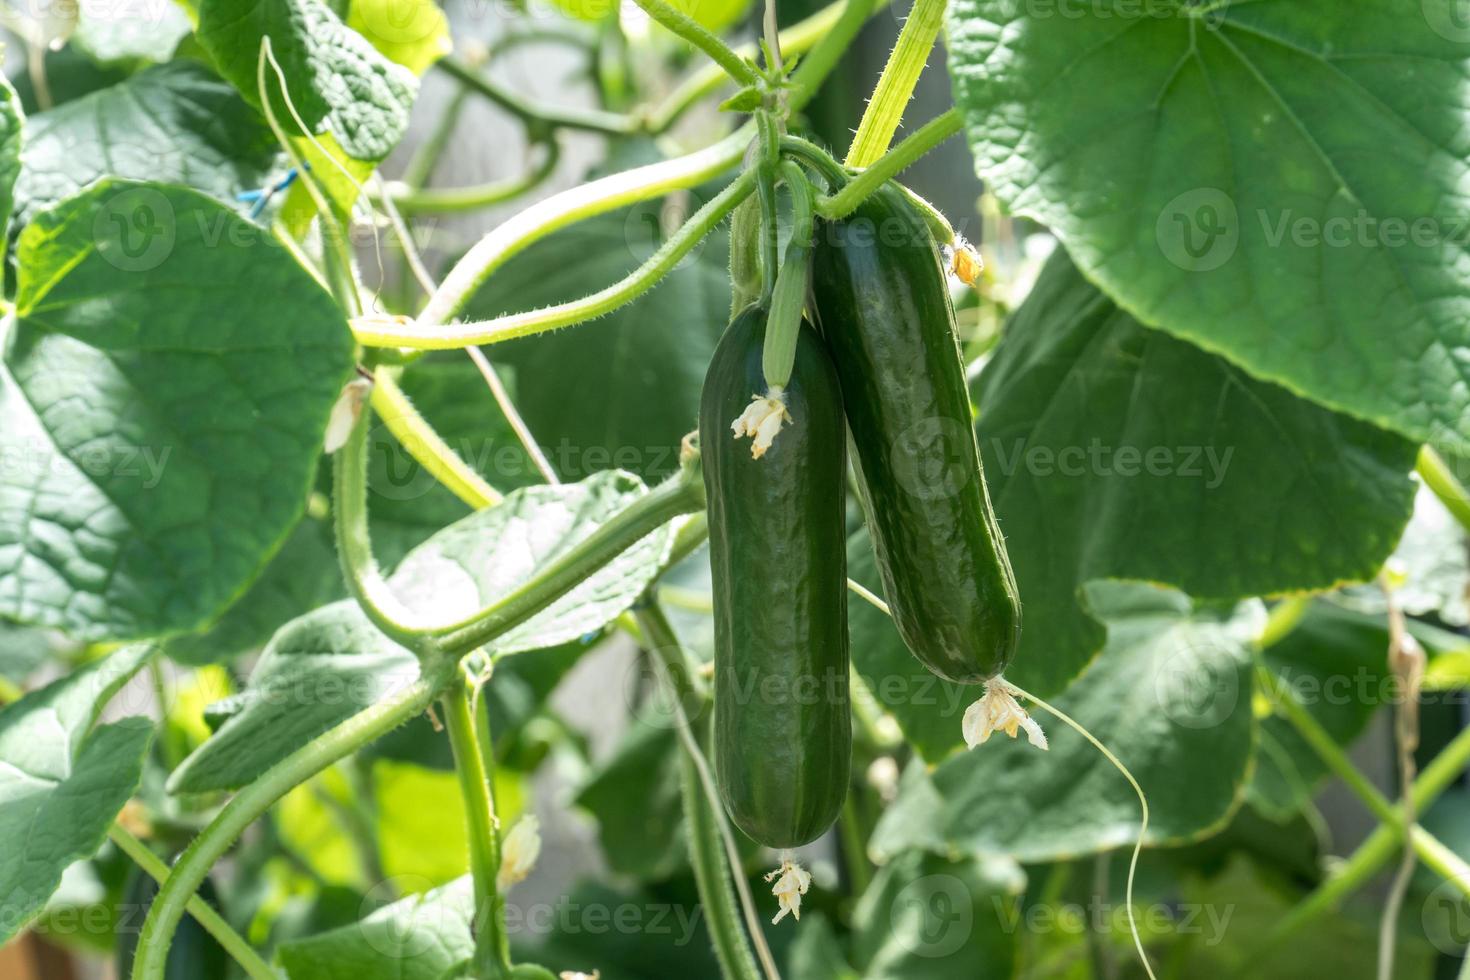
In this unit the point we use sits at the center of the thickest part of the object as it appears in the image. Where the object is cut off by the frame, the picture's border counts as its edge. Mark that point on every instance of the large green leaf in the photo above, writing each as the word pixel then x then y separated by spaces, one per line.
pixel 338 82
pixel 129 33
pixel 637 372
pixel 176 123
pixel 1170 695
pixel 419 938
pixel 303 575
pixel 166 385
pixel 62 782
pixel 1277 182
pixel 12 122
pixel 326 666
pixel 1118 452
pixel 928 918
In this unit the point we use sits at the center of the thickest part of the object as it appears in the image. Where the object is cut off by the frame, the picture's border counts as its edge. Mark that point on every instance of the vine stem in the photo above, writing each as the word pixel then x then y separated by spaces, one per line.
pixel 696 34
pixel 886 167
pixel 1373 853
pixel 896 85
pixel 360 570
pixel 492 949
pixel 413 200
pixel 598 197
pixel 680 494
pixel 1429 848
pixel 203 913
pixel 1440 479
pixel 379 332
pixel 255 799
pixel 796 39
pixel 539 116
pixel 684 681
pixel 426 446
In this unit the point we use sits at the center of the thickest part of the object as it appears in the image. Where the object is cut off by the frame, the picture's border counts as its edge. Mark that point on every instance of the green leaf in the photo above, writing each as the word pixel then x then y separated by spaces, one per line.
pixel 22 650
pixel 1267 180
pixel 1170 694
pixel 303 575
pixel 1118 452
pixel 637 798
pixel 12 123
pixel 338 82
pixel 413 33
pixel 418 938
pixel 930 918
pixel 176 123
pixel 130 34
pixel 638 371
pixel 62 782
pixel 166 384
pixel 324 667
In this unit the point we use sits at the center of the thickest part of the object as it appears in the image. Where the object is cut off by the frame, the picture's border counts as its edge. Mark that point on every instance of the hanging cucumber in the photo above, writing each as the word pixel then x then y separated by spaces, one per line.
pixel 194 953
pixel 880 294
pixel 782 736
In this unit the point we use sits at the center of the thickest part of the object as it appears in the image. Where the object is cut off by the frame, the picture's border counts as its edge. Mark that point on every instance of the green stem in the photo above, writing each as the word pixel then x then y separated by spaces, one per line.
pixel 1438 476
pixel 896 85
pixel 788 301
pixel 202 912
pixel 850 827
pixel 865 184
pixel 359 569
pixel 817 158
pixel 1380 847
pixel 690 30
pixel 412 200
pixel 796 39
pixel 1284 617
pixel 426 446
pixel 258 797
pixel 712 848
pixel 492 946
pixel 539 118
pixel 680 494
pixel 379 332
pixel 1430 850
pixel 825 54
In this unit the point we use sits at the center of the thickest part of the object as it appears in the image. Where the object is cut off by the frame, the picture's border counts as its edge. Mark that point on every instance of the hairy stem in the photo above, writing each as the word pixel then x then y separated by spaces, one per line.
pixel 426 446
pixel 412 200
pixel 1440 479
pixel 690 30
pixel 252 801
pixel 203 913
pixel 377 332
pixel 896 85
pixel 492 946
pixel 865 184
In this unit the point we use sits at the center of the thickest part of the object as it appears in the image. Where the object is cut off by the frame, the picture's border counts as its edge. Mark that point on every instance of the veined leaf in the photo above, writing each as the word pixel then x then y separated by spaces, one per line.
pixel 166 383
pixel 62 782
pixel 1282 183
pixel 1118 452
pixel 338 82
pixel 1170 694
pixel 324 667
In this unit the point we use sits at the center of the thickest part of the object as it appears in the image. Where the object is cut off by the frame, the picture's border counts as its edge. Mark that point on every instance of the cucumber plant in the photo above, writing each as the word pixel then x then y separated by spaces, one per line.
pixel 316 528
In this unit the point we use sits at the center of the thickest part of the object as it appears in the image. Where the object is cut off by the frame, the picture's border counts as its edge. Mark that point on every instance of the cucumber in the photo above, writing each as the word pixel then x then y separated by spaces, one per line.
pixel 194 954
pixel 782 737
pixel 881 298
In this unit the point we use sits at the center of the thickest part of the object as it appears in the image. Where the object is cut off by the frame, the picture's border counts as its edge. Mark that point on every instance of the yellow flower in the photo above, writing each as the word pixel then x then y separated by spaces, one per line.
pixel 762 420
pixel 999 711
pixel 792 881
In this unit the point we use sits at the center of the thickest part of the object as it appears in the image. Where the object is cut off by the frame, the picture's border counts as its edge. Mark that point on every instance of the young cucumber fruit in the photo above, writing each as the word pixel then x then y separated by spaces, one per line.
pixel 782 736
pixel 881 297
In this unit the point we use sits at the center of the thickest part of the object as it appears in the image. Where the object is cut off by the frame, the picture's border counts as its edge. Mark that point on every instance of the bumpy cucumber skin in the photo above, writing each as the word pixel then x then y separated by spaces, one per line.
pixel 783 740
pixel 883 303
